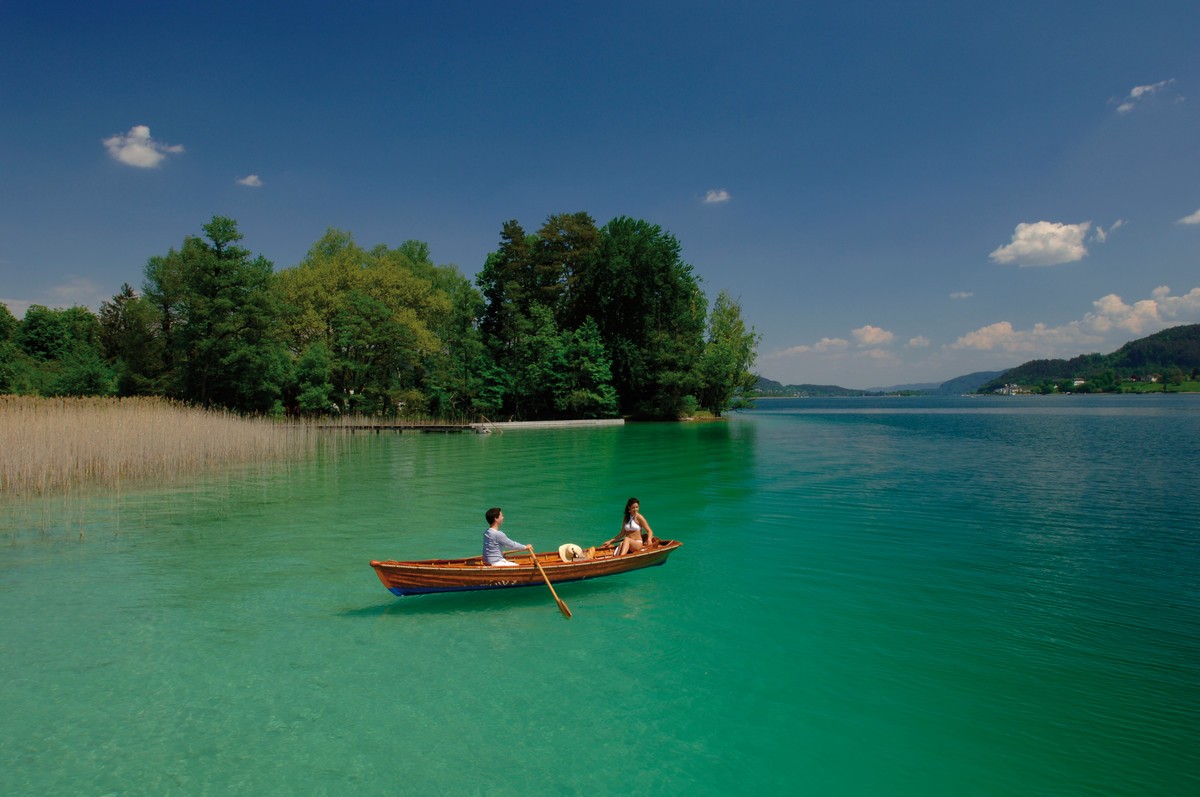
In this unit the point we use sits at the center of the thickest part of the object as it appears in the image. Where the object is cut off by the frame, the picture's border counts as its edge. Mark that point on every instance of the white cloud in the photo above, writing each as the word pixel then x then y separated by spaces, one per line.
pixel 1101 235
pixel 1146 316
pixel 251 180
pixel 961 295
pixel 716 196
pixel 1138 93
pixel 137 148
pixel 1044 243
pixel 872 336
pixel 1001 336
pixel 823 346
pixel 919 342
pixel 1111 314
pixel 1192 219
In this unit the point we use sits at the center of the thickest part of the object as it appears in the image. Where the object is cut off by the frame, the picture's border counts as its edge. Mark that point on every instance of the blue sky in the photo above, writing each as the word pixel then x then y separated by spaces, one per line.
pixel 896 192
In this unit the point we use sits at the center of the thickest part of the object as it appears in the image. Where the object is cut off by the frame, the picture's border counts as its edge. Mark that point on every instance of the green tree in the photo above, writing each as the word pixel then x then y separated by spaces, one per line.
pixel 531 320
pixel 313 374
pixel 1173 376
pixel 9 353
pixel 45 334
pixel 587 390
pixel 651 314
pixel 82 372
pixel 1103 381
pixel 540 361
pixel 386 317
pixel 729 354
pixel 61 353
pixel 164 290
pixel 508 286
pixel 216 314
pixel 369 349
pixel 131 344
pixel 454 372
pixel 563 253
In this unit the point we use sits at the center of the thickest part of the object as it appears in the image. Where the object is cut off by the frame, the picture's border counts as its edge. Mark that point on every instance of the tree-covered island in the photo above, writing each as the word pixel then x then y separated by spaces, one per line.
pixel 571 321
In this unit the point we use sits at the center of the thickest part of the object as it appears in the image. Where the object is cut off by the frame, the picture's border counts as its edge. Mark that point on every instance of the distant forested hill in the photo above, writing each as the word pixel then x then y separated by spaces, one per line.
pixel 1177 347
pixel 966 384
pixel 953 387
pixel 769 387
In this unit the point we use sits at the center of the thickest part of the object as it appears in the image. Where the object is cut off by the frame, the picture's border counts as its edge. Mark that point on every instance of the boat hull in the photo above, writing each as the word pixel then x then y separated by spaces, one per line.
pixel 471 574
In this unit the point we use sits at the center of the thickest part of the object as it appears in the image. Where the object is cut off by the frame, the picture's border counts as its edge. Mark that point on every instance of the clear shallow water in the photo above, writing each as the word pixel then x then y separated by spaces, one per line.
pixel 900 596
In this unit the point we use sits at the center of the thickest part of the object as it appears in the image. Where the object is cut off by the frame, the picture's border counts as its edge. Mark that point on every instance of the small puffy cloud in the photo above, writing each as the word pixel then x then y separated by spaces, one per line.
pixel 716 196
pixel 251 181
pixel 961 295
pixel 1101 235
pixel 1139 93
pixel 823 346
pixel 872 336
pixel 919 342
pixel 137 148
pixel 1192 219
pixel 1044 243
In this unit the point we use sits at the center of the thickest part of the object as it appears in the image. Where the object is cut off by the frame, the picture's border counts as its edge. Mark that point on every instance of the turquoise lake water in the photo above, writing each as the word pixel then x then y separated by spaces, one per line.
pixel 983 596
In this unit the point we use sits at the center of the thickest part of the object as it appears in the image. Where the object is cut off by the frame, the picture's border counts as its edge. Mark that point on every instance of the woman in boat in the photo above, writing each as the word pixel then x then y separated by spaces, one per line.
pixel 633 526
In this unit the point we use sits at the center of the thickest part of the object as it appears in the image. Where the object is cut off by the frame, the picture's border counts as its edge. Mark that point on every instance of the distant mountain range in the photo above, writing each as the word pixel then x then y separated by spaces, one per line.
pixel 1177 347
pixel 952 387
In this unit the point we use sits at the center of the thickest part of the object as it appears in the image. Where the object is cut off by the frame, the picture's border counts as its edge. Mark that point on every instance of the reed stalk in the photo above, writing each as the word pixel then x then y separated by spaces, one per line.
pixel 56 445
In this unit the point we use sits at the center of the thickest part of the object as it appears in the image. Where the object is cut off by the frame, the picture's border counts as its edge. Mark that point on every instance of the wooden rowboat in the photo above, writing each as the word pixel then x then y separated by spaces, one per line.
pixel 462 575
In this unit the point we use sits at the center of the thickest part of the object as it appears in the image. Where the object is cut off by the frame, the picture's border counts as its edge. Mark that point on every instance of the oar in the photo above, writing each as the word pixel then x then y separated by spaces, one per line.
pixel 562 607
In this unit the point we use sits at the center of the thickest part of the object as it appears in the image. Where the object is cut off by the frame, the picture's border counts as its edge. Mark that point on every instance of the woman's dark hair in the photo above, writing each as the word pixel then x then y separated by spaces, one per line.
pixel 628 504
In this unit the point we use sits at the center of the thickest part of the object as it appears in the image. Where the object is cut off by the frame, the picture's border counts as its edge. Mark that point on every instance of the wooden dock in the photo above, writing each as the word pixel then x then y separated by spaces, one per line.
pixel 444 427
pixel 400 427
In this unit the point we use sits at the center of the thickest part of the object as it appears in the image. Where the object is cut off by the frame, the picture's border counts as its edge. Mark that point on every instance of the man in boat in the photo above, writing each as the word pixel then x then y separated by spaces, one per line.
pixel 495 541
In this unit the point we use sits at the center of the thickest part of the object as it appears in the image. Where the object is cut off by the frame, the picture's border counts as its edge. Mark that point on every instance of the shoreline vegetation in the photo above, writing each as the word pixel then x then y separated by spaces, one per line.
pixel 574 321
pixel 56 445
pixel 53 446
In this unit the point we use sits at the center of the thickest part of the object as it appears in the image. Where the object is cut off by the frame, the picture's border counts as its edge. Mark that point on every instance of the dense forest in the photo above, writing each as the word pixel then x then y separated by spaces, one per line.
pixel 1170 357
pixel 572 321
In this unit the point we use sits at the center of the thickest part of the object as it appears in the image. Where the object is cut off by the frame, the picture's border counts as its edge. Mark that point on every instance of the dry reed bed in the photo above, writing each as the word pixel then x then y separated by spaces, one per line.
pixel 52 445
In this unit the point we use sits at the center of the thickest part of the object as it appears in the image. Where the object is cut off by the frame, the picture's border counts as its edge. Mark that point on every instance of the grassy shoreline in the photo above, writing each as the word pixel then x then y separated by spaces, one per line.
pixel 52 445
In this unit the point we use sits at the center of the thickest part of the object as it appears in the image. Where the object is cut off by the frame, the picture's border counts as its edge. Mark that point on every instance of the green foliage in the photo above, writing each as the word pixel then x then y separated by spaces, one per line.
pixel 53 353
pixel 572 321
pixel 8 350
pixel 313 375
pixel 587 390
pixel 8 324
pixel 216 315
pixel 629 280
pixel 729 354
pixel 82 372
pixel 393 323
pixel 130 343
pixel 651 314
pixel 47 334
